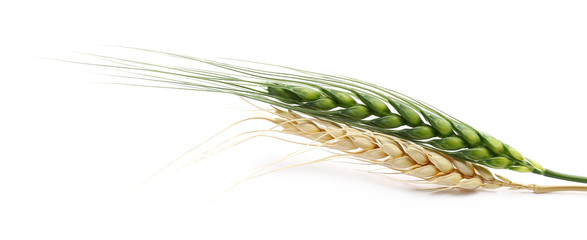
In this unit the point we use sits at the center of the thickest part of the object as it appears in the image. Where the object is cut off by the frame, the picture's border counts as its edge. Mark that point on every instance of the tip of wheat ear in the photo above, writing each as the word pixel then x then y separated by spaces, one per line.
pixel 401 155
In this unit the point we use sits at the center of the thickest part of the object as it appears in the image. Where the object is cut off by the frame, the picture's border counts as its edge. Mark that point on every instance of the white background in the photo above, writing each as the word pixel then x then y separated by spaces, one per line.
pixel 72 152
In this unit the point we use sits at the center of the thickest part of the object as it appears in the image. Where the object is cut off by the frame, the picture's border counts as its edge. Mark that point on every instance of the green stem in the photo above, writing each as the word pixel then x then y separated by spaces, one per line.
pixel 563 176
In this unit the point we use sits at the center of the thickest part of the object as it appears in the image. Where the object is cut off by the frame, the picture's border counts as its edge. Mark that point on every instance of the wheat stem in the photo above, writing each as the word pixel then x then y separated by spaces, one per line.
pixel 563 176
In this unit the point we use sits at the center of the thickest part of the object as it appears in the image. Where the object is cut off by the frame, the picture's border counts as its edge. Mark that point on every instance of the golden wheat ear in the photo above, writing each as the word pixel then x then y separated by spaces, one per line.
pixel 403 156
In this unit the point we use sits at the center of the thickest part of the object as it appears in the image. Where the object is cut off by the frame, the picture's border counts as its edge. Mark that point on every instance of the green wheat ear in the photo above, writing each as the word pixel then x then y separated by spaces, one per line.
pixel 344 100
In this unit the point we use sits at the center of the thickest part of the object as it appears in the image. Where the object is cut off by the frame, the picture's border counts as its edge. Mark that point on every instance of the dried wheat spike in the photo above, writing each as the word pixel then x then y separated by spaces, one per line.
pixel 400 155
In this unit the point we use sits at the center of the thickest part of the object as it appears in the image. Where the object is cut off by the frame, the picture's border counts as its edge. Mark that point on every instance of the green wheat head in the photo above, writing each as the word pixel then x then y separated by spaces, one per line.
pixel 340 99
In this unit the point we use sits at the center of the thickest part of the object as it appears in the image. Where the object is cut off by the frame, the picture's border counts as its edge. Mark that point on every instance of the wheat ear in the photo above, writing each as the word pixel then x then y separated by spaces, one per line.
pixel 339 99
pixel 400 155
